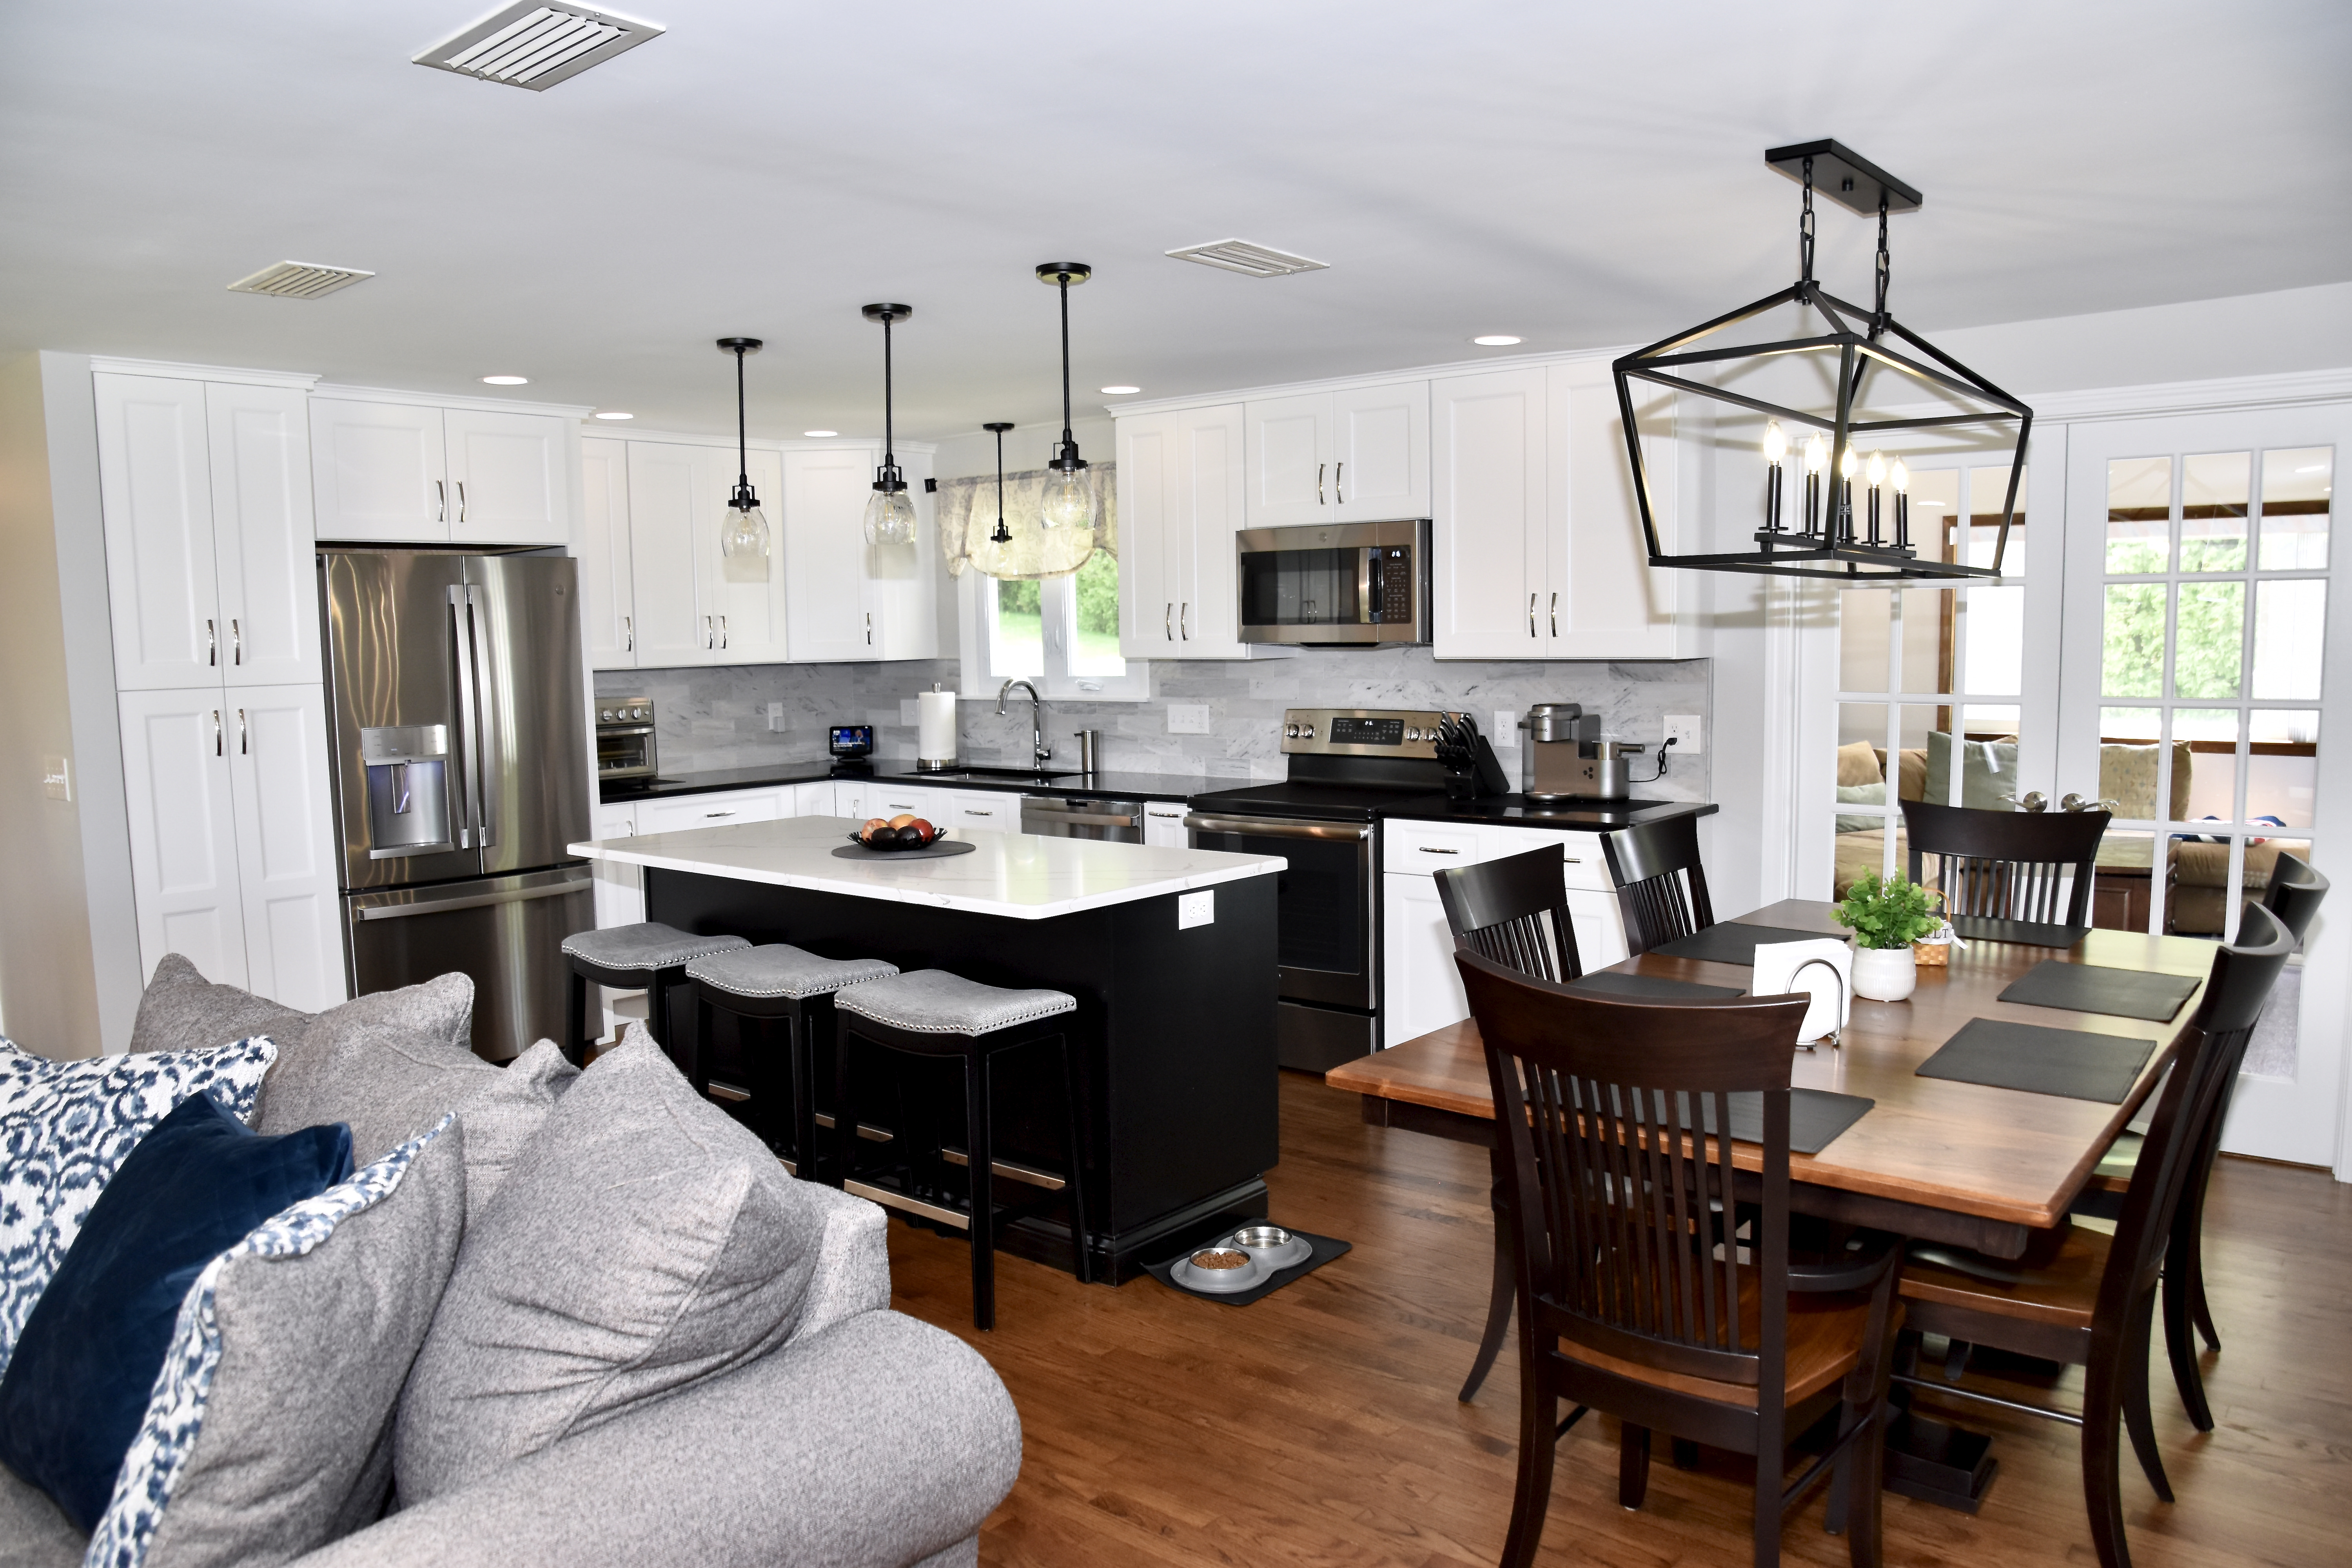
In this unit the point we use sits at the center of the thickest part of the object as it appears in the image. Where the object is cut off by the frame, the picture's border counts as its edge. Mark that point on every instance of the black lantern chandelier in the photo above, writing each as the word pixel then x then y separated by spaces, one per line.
pixel 743 533
pixel 1002 535
pixel 889 511
pixel 1827 537
pixel 1069 497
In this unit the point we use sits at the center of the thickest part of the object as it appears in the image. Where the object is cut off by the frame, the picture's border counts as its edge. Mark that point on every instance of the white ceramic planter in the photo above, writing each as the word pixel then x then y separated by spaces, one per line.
pixel 1886 974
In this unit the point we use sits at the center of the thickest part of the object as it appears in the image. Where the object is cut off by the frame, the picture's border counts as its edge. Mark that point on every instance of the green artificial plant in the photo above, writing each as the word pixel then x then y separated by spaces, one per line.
pixel 1896 913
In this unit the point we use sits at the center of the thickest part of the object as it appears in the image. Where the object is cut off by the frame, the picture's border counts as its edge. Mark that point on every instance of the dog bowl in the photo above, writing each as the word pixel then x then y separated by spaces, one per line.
pixel 1219 1275
pixel 1273 1247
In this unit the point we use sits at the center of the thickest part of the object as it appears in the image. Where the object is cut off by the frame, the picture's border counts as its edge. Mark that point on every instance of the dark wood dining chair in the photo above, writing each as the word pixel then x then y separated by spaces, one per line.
pixel 2086 1299
pixel 1639 1294
pixel 1515 911
pixel 2027 865
pixel 1661 884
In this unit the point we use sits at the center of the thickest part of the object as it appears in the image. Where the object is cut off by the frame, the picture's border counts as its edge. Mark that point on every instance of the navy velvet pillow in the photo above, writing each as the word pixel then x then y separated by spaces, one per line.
pixel 78 1384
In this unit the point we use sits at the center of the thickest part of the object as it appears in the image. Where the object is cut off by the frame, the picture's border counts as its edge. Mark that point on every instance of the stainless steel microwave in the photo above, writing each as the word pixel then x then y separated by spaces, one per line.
pixel 1340 582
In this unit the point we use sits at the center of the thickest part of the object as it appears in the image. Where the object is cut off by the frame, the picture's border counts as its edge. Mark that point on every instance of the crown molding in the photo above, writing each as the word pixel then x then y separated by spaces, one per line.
pixel 616 430
pixel 450 399
pixel 1380 378
pixel 237 375
pixel 2224 394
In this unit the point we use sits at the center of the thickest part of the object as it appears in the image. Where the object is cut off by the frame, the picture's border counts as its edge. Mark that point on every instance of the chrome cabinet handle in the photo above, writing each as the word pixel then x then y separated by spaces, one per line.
pixel 729 812
pixel 1532 614
pixel 1555 615
pixel 1185 620
pixel 244 747
pixel 1318 482
pixel 869 629
pixel 1432 849
pixel 1340 483
pixel 219 745
pixel 722 631
pixel 708 636
pixel 628 635
pixel 1167 616
pixel 440 501
pixel 975 811
pixel 212 646
pixel 236 641
pixel 461 500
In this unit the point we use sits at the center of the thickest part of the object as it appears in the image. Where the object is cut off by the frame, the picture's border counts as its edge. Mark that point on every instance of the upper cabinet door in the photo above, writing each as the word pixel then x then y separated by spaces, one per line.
pixel 287 851
pixel 156 491
pixel 508 479
pixel 902 583
pixel 1289 461
pixel 823 554
pixel 1601 598
pixel 1490 510
pixel 265 559
pixel 664 492
pixel 746 602
pixel 1380 457
pixel 183 874
pixel 1208 511
pixel 379 471
pixel 1147 598
pixel 609 623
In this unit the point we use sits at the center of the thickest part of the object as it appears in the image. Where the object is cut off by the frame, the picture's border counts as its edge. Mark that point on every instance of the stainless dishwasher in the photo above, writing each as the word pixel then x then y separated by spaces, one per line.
pixel 1052 816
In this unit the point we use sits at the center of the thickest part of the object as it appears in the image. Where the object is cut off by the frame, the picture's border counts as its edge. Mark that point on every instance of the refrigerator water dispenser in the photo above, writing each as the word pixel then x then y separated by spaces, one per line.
pixel 407 789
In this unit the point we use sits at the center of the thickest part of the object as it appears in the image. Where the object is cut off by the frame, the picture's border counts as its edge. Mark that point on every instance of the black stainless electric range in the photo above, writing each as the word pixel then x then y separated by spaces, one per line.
pixel 1347 766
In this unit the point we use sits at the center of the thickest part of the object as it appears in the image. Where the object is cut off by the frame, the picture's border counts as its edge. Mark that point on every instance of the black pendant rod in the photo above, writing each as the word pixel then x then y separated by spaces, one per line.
pixel 743 497
pixel 889 434
pixel 1065 291
pixel 1002 535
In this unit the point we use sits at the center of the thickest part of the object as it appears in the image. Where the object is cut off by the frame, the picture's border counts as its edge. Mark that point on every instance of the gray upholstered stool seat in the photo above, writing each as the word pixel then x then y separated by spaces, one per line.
pixel 778 969
pixel 645 945
pixel 934 1002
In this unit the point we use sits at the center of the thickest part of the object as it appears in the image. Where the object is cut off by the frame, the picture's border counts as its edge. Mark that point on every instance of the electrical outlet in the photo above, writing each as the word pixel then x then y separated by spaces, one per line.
pixel 1196 908
pixel 1506 729
pixel 1685 731
pixel 909 710
pixel 775 715
pixel 56 778
pixel 1187 717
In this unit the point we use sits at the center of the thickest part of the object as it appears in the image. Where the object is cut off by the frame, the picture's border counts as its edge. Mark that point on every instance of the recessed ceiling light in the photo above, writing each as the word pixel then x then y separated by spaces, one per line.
pixel 1121 391
pixel 614 414
pixel 820 434
pixel 505 381
pixel 1496 341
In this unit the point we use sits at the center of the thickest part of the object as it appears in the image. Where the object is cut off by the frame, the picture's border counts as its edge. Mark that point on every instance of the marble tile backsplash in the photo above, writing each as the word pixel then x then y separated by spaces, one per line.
pixel 719 718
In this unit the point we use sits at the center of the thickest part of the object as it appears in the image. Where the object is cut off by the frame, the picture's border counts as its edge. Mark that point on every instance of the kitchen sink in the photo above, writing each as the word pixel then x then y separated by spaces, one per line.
pixel 1033 775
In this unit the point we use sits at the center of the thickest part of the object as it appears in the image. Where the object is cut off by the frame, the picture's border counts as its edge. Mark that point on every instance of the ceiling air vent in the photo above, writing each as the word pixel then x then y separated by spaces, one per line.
pixel 1242 255
pixel 299 280
pixel 535 45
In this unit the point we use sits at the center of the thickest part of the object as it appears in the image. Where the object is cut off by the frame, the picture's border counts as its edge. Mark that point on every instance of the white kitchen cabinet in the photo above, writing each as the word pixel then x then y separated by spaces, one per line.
pixel 1358 456
pixel 287 845
pixel 155 489
pixel 1601 598
pixel 265 558
pixel 1180 497
pixel 687 609
pixel 608 617
pixel 993 810
pixel 849 797
pixel 717 809
pixel 886 798
pixel 509 479
pixel 183 818
pixel 620 901
pixel 1163 825
pixel 814 798
pixel 379 471
pixel 848 600
pixel 1488 568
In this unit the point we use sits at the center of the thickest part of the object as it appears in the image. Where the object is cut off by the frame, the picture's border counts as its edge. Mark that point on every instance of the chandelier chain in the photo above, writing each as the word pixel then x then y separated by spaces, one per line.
pixel 1885 267
pixel 1805 239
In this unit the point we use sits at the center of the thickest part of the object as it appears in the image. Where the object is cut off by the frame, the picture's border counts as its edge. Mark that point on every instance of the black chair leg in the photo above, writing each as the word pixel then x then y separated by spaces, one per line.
pixel 2102 1463
pixel 576 1021
pixel 845 1115
pixel 982 1171
pixel 2180 1348
pixel 1537 1440
pixel 1634 1466
pixel 1075 1183
pixel 800 1039
pixel 1506 1285
pixel 698 1072
pixel 2137 1418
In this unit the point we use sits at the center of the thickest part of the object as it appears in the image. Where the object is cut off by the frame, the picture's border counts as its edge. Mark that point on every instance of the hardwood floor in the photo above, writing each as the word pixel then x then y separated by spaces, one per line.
pixel 1319 1427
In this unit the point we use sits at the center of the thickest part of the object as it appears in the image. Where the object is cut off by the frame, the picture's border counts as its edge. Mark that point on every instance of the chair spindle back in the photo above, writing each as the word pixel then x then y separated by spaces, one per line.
pixel 1660 883
pixel 1515 911
pixel 2007 865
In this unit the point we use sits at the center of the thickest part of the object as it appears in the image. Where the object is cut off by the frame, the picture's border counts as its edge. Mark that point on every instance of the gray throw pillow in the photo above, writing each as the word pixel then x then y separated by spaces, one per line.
pixel 643 1242
pixel 268 1432
pixel 182 1011
pixel 439 1010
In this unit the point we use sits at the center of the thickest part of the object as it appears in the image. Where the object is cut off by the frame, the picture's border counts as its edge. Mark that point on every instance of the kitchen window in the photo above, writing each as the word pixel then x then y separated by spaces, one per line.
pixel 1059 632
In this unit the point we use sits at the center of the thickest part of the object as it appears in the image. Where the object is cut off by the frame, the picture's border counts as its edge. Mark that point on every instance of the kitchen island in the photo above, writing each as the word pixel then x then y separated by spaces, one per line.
pixel 1171 956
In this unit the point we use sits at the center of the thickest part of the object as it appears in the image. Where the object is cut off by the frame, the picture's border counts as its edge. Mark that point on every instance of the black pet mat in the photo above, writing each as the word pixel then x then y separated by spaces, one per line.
pixel 1325 1250
pixel 2072 1063
pixel 939 850
pixel 2032 933
pixel 1734 942
pixel 1650 987
pixel 2093 988
pixel 1816 1117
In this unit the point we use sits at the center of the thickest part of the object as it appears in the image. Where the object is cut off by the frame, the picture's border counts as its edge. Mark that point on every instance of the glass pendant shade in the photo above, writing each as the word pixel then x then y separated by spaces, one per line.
pixel 1069 498
pixel 890 518
pixel 743 543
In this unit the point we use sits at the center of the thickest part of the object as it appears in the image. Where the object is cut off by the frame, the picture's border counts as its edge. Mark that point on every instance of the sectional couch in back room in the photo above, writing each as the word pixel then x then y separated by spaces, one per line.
pixel 526 1314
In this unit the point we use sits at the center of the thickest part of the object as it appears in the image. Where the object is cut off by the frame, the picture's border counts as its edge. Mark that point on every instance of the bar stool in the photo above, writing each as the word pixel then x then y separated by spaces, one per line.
pixel 764 985
pixel 648 956
pixel 932 1013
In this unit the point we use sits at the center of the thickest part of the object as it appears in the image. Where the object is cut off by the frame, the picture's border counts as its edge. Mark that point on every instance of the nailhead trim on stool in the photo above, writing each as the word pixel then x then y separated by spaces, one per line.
pixel 647 945
pixel 778 969
pixel 934 1002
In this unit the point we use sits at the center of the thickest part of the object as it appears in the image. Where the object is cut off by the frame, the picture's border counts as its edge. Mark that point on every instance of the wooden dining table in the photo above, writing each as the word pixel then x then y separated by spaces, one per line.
pixel 1934 1159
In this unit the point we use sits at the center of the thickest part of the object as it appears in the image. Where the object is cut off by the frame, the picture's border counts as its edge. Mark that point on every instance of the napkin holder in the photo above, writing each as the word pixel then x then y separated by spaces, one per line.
pixel 1822 970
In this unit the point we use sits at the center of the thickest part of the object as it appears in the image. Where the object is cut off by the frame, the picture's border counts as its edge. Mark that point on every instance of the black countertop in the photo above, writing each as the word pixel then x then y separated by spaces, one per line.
pixel 1111 786
pixel 1575 816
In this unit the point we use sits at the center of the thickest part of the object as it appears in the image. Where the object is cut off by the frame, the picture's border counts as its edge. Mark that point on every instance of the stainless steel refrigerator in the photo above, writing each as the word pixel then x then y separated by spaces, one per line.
pixel 458 714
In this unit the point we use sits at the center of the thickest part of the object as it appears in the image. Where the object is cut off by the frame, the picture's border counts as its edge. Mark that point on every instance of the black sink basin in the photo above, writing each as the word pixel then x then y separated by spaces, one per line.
pixel 1033 775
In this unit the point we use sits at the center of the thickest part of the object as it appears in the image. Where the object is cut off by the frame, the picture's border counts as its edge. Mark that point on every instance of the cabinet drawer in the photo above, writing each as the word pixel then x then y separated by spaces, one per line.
pixel 719 810
pixel 1431 847
pixel 1586 867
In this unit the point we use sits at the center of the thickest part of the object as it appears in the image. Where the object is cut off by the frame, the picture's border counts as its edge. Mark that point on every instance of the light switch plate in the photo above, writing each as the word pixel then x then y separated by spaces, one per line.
pixel 909 710
pixel 1196 908
pixel 775 715
pixel 1506 736
pixel 1685 732
pixel 56 778
pixel 1187 717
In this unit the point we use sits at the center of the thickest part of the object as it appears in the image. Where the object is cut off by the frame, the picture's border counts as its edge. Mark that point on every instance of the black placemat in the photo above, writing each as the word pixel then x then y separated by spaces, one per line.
pixel 1734 942
pixel 2095 988
pixel 2072 1063
pixel 1650 987
pixel 1816 1117
pixel 1326 1249
pixel 939 850
pixel 2032 933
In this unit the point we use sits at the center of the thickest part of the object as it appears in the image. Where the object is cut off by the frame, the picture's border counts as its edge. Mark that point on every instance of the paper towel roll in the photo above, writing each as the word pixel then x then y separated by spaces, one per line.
pixel 935 742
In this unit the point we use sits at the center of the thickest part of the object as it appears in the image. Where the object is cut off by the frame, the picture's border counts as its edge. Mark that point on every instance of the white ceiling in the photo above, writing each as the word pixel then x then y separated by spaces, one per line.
pixel 1578 175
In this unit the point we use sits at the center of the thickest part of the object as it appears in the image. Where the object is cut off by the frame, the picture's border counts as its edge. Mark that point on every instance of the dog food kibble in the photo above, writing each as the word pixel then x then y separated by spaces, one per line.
pixel 1219 1259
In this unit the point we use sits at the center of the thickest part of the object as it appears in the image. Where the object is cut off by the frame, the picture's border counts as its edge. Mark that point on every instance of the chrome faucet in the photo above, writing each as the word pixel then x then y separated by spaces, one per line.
pixel 1040 753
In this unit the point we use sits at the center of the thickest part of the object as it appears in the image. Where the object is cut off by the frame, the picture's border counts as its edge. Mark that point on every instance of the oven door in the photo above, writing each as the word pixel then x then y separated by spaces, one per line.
pixel 1323 902
pixel 1348 583
pixel 625 752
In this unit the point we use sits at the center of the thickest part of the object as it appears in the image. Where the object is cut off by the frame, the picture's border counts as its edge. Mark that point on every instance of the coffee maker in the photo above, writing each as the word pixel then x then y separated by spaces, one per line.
pixel 1568 760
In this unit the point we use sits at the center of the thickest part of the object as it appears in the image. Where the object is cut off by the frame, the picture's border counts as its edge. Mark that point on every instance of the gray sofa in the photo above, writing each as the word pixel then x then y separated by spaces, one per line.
pixel 864 1439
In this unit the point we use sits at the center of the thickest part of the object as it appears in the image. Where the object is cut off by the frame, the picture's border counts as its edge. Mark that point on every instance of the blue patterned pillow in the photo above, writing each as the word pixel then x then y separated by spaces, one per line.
pixel 66 1127
pixel 159 1455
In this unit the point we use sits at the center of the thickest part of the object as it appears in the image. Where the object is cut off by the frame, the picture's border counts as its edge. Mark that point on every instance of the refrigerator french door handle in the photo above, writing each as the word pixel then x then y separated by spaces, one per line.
pixel 487 750
pixel 467 748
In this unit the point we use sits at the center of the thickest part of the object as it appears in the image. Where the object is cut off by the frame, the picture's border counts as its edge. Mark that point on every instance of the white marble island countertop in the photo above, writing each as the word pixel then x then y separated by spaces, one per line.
pixel 1015 875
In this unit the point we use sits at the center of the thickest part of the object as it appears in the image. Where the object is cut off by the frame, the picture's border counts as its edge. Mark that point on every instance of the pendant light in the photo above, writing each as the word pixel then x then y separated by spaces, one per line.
pixel 743 532
pixel 890 511
pixel 1826 540
pixel 1069 497
pixel 1002 535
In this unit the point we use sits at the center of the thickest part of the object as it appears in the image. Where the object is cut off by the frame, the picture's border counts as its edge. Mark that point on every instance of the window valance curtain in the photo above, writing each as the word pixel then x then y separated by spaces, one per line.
pixel 967 516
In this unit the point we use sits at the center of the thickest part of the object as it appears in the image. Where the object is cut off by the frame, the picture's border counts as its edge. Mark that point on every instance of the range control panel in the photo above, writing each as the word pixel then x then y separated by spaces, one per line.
pixel 1361 731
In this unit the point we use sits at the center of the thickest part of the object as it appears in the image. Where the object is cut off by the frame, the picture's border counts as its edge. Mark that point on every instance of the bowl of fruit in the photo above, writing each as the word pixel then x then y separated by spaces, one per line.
pixel 904 831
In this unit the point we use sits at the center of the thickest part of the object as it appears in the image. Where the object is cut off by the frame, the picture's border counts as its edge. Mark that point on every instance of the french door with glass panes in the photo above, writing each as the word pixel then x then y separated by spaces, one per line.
pixel 1943 695
pixel 2201 691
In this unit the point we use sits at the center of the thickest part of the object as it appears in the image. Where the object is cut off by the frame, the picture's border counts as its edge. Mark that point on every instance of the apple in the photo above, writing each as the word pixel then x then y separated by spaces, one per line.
pixel 903 818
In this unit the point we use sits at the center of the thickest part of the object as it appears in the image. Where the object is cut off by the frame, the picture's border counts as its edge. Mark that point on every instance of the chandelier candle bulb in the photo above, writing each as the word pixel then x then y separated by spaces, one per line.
pixel 1876 471
pixel 1776 454
pixel 1900 478
pixel 1846 464
pixel 1816 457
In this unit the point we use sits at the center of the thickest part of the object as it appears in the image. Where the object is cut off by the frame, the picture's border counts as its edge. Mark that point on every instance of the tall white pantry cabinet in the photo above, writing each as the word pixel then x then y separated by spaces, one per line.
pixel 204 487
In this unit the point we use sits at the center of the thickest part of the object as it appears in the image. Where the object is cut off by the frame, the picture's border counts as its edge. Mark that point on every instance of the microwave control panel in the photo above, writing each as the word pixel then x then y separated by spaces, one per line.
pixel 1393 563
